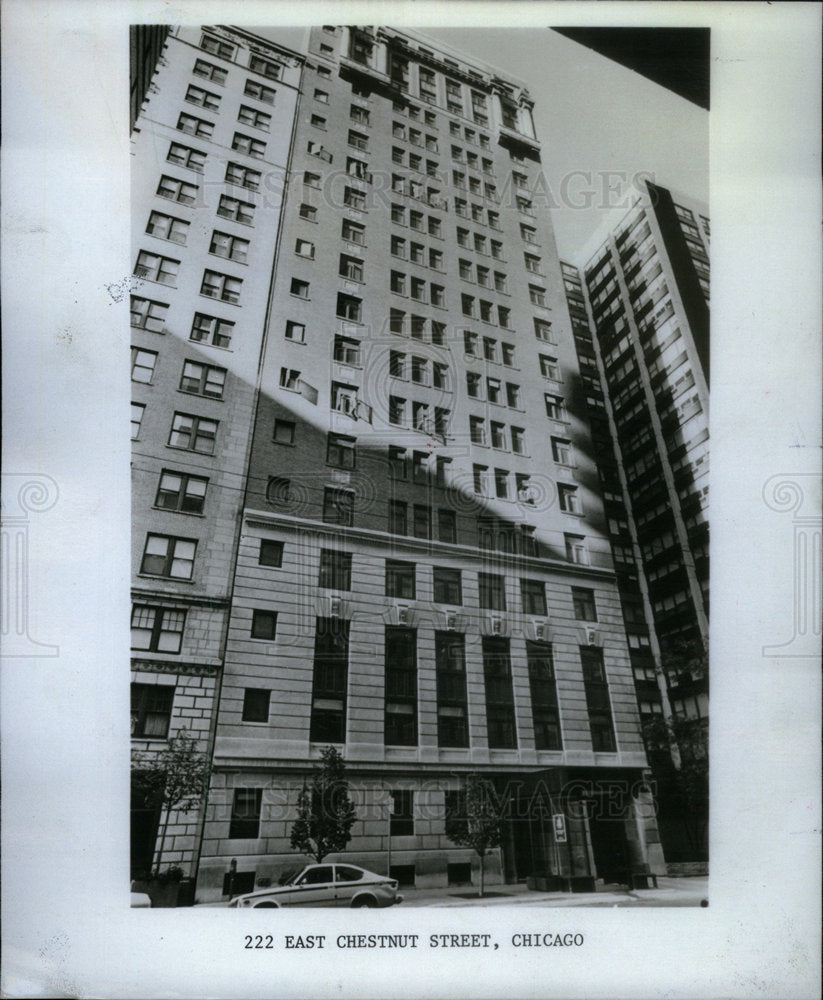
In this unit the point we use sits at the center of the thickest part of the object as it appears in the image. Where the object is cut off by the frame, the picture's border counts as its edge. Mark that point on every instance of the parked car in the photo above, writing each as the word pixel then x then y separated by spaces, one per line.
pixel 325 885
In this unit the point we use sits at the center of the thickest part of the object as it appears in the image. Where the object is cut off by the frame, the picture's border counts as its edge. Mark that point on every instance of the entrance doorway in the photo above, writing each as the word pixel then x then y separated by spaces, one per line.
pixel 144 823
pixel 610 849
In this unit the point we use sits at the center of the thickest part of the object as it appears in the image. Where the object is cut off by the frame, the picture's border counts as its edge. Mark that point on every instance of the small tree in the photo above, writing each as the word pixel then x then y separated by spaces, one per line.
pixel 478 823
pixel 176 778
pixel 325 813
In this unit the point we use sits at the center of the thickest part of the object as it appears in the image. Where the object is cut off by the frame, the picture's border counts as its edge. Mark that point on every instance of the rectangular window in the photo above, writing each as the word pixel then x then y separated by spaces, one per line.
pixel 347 350
pixel 203 98
pixel 543 331
pixel 518 436
pixel 569 498
pixel 246 144
pixel 338 506
pixel 181 492
pixel 477 430
pixel 446 525
pixel 228 246
pixel 270 554
pixel 555 407
pixel 340 451
pixel 501 484
pixel 498 435
pixel 221 286
pixel 146 314
pixel 165 555
pixel 402 815
pixel 422 521
pixel 185 156
pixel 295 331
pixel 218 47
pixel 157 629
pixel 351 267
pixel 154 267
pixel 533 596
pixel 203 380
pixel 576 549
pixel 211 330
pixel 493 389
pixel 245 814
pixel 263 624
pixel 299 288
pixel 166 227
pixel 349 307
pixel 479 479
pixel 492 590
pixel 500 723
pixel 137 411
pixel 236 210
pixel 562 451
pixel 256 704
pixel 151 706
pixel 331 655
pixel 447 585
pixel 543 690
pixel 245 177
pixel 597 699
pixel 335 570
pixel 398 517
pixel 195 126
pixel 452 716
pixel 142 365
pixel 308 212
pixel 177 190
pixel 253 117
pixel 266 68
pixel 400 579
pixel 193 433
pixel 584 606
pixel 400 725
pixel 260 92
pixel 549 367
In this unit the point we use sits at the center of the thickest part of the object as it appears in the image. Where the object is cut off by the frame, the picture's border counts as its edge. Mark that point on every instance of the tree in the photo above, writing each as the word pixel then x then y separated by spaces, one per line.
pixel 325 813
pixel 477 824
pixel 176 778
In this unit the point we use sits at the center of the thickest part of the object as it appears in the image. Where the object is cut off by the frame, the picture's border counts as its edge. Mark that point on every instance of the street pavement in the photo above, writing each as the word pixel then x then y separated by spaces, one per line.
pixel 693 891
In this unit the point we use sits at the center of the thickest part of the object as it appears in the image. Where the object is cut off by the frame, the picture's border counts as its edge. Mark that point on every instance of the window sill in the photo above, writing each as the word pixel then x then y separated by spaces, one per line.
pixel 171 579
pixel 172 510
pixel 223 302
pixel 214 347
pixel 231 260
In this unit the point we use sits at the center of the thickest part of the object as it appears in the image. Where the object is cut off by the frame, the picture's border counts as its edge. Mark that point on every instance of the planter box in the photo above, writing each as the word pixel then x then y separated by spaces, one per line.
pixel 168 895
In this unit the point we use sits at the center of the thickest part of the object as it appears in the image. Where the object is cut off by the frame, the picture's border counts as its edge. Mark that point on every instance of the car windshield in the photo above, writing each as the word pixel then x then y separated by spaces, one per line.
pixel 288 877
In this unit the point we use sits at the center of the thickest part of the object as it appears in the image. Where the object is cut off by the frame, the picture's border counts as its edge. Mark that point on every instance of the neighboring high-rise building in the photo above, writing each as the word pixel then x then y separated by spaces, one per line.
pixel 209 152
pixel 643 348
pixel 424 575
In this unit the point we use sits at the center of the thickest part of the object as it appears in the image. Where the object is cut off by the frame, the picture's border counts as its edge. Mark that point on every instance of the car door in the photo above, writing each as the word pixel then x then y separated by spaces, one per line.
pixel 347 881
pixel 315 887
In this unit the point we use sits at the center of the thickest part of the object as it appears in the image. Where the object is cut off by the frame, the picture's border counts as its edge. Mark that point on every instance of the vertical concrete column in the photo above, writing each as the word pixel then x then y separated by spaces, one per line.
pixel 345 42
pixel 496 110
pixel 525 121
pixel 380 56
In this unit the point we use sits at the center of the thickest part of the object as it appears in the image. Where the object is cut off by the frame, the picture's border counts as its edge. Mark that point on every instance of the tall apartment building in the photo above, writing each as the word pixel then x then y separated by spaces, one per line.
pixel 424 576
pixel 209 155
pixel 641 325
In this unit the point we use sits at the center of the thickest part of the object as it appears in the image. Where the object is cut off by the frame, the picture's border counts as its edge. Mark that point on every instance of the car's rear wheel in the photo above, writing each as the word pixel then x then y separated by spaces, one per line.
pixel 268 906
pixel 368 901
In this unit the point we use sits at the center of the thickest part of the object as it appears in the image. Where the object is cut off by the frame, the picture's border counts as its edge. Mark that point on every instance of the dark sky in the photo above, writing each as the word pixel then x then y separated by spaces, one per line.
pixel 676 58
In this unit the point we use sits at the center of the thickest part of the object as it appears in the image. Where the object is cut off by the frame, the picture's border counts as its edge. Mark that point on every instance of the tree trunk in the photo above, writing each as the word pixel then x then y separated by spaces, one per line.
pixel 162 840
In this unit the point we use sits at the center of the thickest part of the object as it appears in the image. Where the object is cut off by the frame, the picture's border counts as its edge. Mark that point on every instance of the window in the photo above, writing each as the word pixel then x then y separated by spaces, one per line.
pixel 419 370
pixel 397 462
pixel 569 498
pixel 597 699
pixel 263 624
pixel 151 710
pixel 221 286
pixel 308 212
pixel 351 268
pixel 473 384
pixel 264 67
pixel 211 330
pixel 500 723
pixel 153 267
pixel 236 210
pixel 537 295
pixel 181 492
pixel 260 92
pixel 318 121
pixel 533 596
pixel 493 389
pixel 203 98
pixel 193 433
pixel 236 173
pixel 555 407
pixel 446 525
pixel 255 118
pixel 165 555
pixel 422 521
pixel 270 554
pixel 447 586
pixel 584 606
pixel 228 246
pixel 450 660
pixel 195 126
pixel 349 307
pixel 479 474
pixel 492 591
pixel 346 350
pixel 576 549
pixel 137 411
pixel 562 451
pixel 401 823
pixel 418 289
pixel 166 227
pixel 245 814
pixel 518 436
pixel 477 430
pixel 184 156
pixel 256 704
pixel 420 466
pixel 440 375
pixel 284 431
pixel 338 506
pixel 335 570
pixel 203 380
pixel 358 114
pixel 489 349
pixel 142 365
pixel 549 367
pixel 437 295
pixel 354 232
pixel 420 416
pixel 322 96
pixel 397 410
pixel 358 140
pixel 501 484
pixel 543 330
pixel 246 144
pixel 400 579
pixel 398 517
pixel 529 235
pixel 157 629
pixel 400 725
pixel 217 47
pixel 146 314
pixel 543 690
pixel 299 288
pixel 330 681
pixel 340 451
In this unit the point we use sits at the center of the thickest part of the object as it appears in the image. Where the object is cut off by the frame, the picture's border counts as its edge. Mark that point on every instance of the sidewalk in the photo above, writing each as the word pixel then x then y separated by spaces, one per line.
pixel 669 892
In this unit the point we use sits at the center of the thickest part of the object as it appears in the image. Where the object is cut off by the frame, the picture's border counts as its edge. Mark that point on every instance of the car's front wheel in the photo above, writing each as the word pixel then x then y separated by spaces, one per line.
pixel 369 901
pixel 268 906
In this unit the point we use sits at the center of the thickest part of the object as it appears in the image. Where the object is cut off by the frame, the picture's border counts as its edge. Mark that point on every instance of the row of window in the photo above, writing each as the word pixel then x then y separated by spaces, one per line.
pixel 196 378
pixel 188 431
pixel 225 49
pixel 176 230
